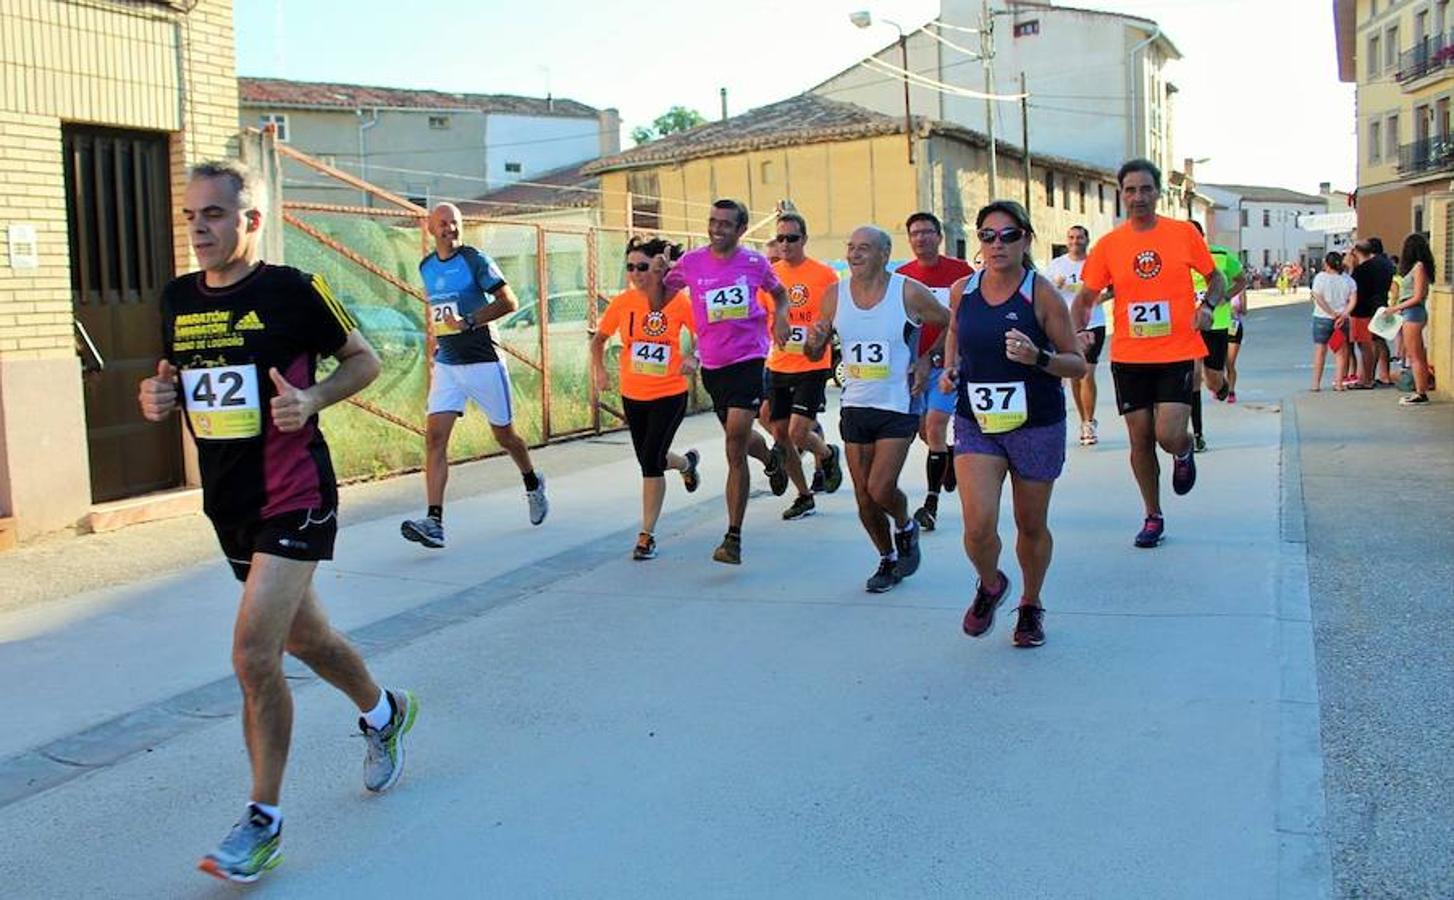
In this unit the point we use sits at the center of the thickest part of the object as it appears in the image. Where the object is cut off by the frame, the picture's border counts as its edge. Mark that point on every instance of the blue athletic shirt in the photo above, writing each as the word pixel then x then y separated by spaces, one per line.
pixel 980 331
pixel 462 284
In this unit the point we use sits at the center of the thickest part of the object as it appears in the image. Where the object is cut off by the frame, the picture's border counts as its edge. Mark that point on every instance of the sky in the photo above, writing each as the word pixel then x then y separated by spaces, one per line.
pixel 1260 96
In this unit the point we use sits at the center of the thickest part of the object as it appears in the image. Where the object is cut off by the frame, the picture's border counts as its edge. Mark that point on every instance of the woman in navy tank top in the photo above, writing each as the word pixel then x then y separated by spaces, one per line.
pixel 1010 344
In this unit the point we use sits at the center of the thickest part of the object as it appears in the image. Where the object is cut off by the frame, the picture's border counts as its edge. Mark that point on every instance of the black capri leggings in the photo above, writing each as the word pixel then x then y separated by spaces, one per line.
pixel 653 424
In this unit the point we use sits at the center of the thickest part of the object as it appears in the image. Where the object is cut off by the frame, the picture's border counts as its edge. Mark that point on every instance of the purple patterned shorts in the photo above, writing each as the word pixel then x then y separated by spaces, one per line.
pixel 1035 453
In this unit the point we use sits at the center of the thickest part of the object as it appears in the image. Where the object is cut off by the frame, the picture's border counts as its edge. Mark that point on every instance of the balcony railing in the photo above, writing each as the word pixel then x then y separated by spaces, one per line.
pixel 1428 55
pixel 1432 154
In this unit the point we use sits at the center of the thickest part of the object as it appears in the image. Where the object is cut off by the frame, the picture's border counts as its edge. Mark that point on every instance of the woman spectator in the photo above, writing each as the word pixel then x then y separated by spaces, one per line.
pixel 654 374
pixel 1008 345
pixel 1331 290
pixel 1417 271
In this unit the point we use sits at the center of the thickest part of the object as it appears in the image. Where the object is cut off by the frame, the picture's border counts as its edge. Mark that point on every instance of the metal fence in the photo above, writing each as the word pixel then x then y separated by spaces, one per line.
pixel 562 275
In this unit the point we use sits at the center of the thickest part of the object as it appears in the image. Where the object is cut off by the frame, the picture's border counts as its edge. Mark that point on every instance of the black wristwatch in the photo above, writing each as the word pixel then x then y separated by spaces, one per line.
pixel 1042 359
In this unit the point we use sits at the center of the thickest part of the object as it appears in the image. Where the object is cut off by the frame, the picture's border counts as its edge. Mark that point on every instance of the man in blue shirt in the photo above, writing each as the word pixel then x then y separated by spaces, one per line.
pixel 466 293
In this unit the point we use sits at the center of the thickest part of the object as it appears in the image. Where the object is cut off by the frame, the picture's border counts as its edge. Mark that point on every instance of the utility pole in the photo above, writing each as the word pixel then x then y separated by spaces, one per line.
pixel 1025 133
pixel 987 55
pixel 723 92
pixel 908 118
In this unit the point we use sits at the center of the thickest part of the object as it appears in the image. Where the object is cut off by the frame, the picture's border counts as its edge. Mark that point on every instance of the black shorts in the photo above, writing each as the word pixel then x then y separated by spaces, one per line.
pixel 736 386
pixel 1216 358
pixel 1234 334
pixel 866 424
pixel 303 534
pixel 798 393
pixel 1093 352
pixel 1143 385
pixel 653 425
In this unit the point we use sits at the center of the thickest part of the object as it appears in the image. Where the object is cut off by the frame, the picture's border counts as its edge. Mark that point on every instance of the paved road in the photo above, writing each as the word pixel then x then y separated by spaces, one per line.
pixel 594 726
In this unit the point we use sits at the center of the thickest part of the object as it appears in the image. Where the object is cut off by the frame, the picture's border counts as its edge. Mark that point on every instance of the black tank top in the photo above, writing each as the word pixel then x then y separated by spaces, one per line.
pixel 987 378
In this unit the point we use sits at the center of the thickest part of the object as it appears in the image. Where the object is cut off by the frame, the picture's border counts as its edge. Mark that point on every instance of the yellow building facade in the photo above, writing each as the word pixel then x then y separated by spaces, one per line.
pixel 104 105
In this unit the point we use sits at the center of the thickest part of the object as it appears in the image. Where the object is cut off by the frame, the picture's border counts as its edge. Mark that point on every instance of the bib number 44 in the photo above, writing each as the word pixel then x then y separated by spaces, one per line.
pixel 650 359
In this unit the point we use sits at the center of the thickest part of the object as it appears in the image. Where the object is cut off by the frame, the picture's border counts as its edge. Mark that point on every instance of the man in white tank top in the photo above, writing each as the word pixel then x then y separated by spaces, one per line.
pixel 878 316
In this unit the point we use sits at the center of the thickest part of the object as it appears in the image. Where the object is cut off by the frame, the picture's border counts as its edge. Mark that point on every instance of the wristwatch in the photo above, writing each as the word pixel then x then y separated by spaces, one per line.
pixel 936 360
pixel 1042 359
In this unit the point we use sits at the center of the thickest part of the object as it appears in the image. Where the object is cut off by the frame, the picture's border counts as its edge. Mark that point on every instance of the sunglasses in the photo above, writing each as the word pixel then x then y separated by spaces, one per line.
pixel 638 267
pixel 1007 235
pixel 788 238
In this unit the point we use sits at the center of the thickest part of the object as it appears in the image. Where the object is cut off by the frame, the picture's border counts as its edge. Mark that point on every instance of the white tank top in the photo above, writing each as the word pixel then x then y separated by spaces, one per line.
pixel 878 348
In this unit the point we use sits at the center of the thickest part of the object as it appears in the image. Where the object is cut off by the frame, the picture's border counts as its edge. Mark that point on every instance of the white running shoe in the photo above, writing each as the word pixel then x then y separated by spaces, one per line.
pixel 539 505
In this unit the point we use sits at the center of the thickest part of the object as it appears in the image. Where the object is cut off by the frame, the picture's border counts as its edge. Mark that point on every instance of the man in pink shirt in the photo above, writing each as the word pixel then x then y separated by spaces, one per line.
pixel 723 280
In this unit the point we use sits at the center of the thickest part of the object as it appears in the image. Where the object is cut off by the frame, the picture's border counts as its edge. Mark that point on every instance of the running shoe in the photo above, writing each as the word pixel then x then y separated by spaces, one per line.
pixel 1093 438
pixel 1224 392
pixel 817 485
pixel 428 531
pixel 928 515
pixel 1151 533
pixel 907 543
pixel 885 578
pixel 251 848
pixel 539 505
pixel 1085 434
pixel 1029 627
pixel 801 508
pixel 980 617
pixel 645 547
pixel 690 479
pixel 776 470
pixel 729 551
pixel 832 470
pixel 1183 473
pixel 1413 400
pixel 1232 397
pixel 1198 444
pixel 384 751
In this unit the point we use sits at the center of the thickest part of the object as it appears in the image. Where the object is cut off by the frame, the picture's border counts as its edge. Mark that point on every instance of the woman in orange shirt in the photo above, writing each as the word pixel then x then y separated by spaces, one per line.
pixel 654 372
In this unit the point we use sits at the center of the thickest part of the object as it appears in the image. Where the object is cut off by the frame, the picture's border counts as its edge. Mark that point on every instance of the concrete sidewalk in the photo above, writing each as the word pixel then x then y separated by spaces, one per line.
pixel 594 726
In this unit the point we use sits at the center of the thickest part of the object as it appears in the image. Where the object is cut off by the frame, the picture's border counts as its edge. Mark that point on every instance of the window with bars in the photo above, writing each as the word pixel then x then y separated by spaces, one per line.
pixel 1049 188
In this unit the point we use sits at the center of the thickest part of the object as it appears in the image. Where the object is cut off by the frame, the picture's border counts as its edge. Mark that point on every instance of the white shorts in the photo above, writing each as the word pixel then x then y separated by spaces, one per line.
pixel 486 383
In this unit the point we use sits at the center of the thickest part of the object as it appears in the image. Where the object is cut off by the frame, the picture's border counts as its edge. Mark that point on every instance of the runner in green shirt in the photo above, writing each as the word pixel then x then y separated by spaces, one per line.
pixel 1213 366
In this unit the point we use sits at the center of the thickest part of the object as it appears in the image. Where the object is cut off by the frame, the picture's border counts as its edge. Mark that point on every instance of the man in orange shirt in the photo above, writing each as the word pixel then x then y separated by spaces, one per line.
pixel 1147 261
pixel 796 384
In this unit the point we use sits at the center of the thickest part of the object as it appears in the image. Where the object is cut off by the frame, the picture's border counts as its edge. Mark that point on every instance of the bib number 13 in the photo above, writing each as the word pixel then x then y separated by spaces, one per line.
pixel 867 360
pixel 222 402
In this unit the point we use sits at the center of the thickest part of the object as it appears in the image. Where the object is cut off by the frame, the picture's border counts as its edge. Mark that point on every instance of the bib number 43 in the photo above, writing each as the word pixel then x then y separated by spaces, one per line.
pixel 727 303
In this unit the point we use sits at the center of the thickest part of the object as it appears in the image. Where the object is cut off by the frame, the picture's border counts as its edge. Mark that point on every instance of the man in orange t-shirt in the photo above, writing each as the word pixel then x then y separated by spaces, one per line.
pixel 796 384
pixel 1148 261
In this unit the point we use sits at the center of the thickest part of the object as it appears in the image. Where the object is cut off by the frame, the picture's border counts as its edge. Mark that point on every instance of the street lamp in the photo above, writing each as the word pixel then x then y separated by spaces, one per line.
pixel 864 19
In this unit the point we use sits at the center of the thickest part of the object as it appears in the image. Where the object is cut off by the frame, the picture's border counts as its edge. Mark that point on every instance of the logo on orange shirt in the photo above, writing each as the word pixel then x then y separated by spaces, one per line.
pixel 655 324
pixel 798 294
pixel 1148 264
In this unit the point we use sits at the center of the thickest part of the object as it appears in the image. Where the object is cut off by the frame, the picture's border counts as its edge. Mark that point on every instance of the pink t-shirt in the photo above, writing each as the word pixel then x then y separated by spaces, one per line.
pixel 731 322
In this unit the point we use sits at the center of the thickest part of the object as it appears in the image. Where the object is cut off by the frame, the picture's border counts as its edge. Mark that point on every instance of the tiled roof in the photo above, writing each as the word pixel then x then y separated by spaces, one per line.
pixel 280 93
pixel 1264 194
pixel 565 187
pixel 799 120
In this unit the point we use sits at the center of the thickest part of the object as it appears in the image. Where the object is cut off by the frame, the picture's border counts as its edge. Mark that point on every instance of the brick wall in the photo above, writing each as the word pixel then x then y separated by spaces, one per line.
pixel 132 64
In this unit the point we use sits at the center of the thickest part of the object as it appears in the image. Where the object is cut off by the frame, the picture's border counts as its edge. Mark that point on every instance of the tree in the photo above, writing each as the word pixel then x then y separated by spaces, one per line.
pixel 673 121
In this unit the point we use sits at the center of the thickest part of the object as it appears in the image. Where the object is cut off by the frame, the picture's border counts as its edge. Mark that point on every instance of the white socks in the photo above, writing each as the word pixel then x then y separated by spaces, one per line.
pixel 382 712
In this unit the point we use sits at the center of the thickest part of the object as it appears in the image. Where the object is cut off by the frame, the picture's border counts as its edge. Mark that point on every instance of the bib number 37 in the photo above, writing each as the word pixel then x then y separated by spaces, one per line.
pixel 998 406
pixel 222 402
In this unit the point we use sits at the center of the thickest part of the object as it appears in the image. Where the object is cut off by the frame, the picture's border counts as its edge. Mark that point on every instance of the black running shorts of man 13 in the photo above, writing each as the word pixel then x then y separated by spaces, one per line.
pixel 1143 385
pixel 1216 358
pixel 867 424
pixel 798 393
pixel 735 386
